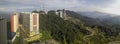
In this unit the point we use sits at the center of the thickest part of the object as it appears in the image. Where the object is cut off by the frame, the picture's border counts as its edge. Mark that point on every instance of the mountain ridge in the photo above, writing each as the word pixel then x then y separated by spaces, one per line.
pixel 103 17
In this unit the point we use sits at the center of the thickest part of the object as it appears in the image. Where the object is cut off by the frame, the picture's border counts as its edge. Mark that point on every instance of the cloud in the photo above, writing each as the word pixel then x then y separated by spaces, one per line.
pixel 98 2
pixel 76 5
pixel 15 5
pixel 114 8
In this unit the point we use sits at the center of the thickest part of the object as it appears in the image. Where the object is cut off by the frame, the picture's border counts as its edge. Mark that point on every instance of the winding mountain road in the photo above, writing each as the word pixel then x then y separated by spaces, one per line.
pixel 92 33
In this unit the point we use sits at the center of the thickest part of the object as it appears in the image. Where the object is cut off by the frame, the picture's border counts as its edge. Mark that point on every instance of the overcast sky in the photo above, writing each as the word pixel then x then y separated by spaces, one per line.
pixel 109 6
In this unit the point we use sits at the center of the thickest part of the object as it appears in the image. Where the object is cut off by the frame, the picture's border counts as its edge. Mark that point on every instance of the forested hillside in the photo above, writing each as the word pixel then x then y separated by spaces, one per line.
pixel 68 32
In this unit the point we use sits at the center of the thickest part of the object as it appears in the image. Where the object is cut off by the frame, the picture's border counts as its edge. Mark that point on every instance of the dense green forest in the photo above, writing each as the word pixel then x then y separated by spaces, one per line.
pixel 108 28
pixel 68 32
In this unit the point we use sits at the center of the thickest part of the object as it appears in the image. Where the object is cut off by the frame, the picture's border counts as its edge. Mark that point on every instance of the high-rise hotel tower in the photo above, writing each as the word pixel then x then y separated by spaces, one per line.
pixel 14 22
pixel 30 22
pixel 3 30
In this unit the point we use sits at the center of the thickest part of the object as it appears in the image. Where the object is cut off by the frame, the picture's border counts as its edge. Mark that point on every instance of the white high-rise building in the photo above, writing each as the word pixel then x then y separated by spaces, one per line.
pixel 30 22
pixel 34 24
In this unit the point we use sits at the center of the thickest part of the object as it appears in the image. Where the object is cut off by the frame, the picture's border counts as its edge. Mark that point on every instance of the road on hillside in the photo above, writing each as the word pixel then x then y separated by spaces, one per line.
pixel 92 33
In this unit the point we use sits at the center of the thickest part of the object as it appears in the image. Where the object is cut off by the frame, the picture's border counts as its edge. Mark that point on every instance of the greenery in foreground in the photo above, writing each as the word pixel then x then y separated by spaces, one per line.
pixel 45 35
pixel 66 32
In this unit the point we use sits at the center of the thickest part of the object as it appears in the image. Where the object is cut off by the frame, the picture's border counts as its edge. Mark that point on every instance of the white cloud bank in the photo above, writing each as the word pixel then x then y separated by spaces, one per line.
pixel 109 6
pixel 114 8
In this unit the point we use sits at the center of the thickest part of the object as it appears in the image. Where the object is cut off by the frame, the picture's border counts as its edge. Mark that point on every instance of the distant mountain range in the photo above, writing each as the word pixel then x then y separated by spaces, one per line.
pixel 96 14
pixel 103 17
pixel 87 20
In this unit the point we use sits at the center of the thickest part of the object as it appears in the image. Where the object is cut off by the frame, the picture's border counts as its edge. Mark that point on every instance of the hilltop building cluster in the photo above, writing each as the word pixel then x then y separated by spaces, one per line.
pixel 26 23
pixel 61 13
